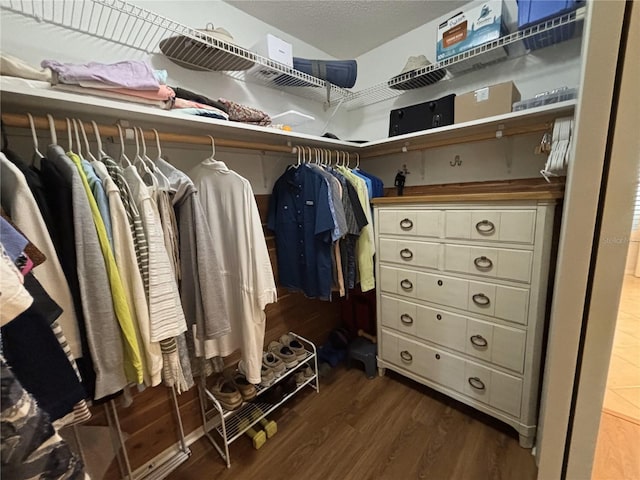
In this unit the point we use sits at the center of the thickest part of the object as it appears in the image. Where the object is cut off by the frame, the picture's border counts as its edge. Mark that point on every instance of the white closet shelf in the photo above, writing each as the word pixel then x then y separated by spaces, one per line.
pixel 507 47
pixel 20 96
pixel 523 122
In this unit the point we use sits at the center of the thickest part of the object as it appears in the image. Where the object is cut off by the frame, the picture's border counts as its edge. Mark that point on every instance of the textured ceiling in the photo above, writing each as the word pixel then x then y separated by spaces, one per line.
pixel 346 29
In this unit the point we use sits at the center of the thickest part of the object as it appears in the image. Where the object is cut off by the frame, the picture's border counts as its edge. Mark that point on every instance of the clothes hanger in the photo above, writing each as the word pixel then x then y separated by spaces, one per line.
pixel 52 129
pixel 138 162
pixel 101 152
pixel 157 142
pixel 123 156
pixel 36 154
pixel 69 135
pixel 162 180
pixel 357 161
pixel 86 143
pixel 79 144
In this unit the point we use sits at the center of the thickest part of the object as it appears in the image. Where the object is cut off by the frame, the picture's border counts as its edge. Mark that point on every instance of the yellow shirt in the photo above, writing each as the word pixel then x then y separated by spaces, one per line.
pixel 365 248
pixel 132 358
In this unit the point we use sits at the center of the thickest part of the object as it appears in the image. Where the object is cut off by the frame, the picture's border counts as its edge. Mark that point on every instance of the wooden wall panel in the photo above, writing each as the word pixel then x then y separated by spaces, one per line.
pixel 149 422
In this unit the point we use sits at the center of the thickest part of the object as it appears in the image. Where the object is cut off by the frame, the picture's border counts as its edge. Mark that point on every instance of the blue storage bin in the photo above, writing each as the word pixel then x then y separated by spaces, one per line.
pixel 532 12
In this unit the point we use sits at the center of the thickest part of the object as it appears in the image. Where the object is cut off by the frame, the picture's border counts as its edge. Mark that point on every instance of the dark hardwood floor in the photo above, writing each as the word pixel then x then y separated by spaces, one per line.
pixel 385 428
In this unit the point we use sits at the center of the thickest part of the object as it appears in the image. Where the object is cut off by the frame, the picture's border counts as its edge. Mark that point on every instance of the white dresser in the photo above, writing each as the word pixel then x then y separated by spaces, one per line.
pixel 461 298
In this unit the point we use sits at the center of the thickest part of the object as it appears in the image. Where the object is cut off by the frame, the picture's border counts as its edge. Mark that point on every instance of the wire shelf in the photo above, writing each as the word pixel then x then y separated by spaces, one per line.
pixel 484 55
pixel 254 411
pixel 126 24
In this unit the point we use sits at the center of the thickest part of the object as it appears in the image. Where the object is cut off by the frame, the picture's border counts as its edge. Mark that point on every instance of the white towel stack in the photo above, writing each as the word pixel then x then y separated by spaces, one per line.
pixel 560 146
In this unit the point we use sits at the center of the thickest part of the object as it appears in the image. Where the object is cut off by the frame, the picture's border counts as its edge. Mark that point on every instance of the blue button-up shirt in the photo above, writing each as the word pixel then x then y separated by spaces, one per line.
pixel 300 216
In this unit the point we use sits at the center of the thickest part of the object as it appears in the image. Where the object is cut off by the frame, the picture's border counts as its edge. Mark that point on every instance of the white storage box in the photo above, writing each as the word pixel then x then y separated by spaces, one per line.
pixel 275 49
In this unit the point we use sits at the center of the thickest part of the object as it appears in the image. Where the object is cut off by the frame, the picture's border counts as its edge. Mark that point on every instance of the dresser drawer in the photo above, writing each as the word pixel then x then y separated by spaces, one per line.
pixel 437 326
pixel 427 362
pixel 515 226
pixel 402 282
pixel 422 223
pixel 497 344
pixel 489 262
pixel 507 303
pixel 494 388
pixel 417 254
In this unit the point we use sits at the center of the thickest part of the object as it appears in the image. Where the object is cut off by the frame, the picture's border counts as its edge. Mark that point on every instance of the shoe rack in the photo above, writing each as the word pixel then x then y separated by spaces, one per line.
pixel 223 427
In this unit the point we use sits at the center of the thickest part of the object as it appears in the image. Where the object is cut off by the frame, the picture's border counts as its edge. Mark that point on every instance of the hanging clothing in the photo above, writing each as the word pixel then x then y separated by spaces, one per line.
pixel 18 201
pixel 300 216
pixel 203 288
pixel 365 248
pixel 31 448
pixel 165 309
pixel 132 356
pixel 103 332
pixel 125 255
pixel 15 298
pixel 232 214
pixel 99 195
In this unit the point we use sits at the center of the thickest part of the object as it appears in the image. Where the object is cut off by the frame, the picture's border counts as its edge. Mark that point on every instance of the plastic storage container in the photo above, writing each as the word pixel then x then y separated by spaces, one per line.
pixel 532 12
pixel 546 98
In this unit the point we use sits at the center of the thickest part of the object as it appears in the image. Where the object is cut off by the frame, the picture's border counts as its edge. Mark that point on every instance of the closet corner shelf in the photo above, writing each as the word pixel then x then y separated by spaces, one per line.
pixel 534 120
pixel 507 47
pixel 19 96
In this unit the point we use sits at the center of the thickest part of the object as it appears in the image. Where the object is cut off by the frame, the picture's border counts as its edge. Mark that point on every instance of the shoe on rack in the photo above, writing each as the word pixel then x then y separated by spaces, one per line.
pixel 298 348
pixel 267 376
pixel 285 353
pixel 299 377
pixel 289 385
pixel 274 395
pixel 246 389
pixel 274 362
pixel 227 393
pixel 307 370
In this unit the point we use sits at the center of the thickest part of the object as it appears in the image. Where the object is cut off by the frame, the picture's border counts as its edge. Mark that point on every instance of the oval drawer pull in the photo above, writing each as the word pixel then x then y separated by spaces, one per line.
pixel 476 383
pixel 437 356
pixel 406 356
pixel 485 227
pixel 483 263
pixel 406 224
pixel 406 254
pixel 481 299
pixel 406 284
pixel 479 341
pixel 406 319
pixel 439 283
pixel 439 317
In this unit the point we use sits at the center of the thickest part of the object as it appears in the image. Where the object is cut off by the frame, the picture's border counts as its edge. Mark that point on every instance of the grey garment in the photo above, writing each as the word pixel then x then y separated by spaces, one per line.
pixel 204 298
pixel 97 189
pixel 335 199
pixel 352 224
pixel 185 363
pixel 103 331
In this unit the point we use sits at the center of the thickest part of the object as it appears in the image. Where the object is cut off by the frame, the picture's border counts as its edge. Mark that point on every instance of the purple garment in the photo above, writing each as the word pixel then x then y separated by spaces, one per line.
pixel 133 74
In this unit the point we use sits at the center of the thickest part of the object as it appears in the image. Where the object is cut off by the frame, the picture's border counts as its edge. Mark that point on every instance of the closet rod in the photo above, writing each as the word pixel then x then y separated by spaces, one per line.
pixel 41 123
